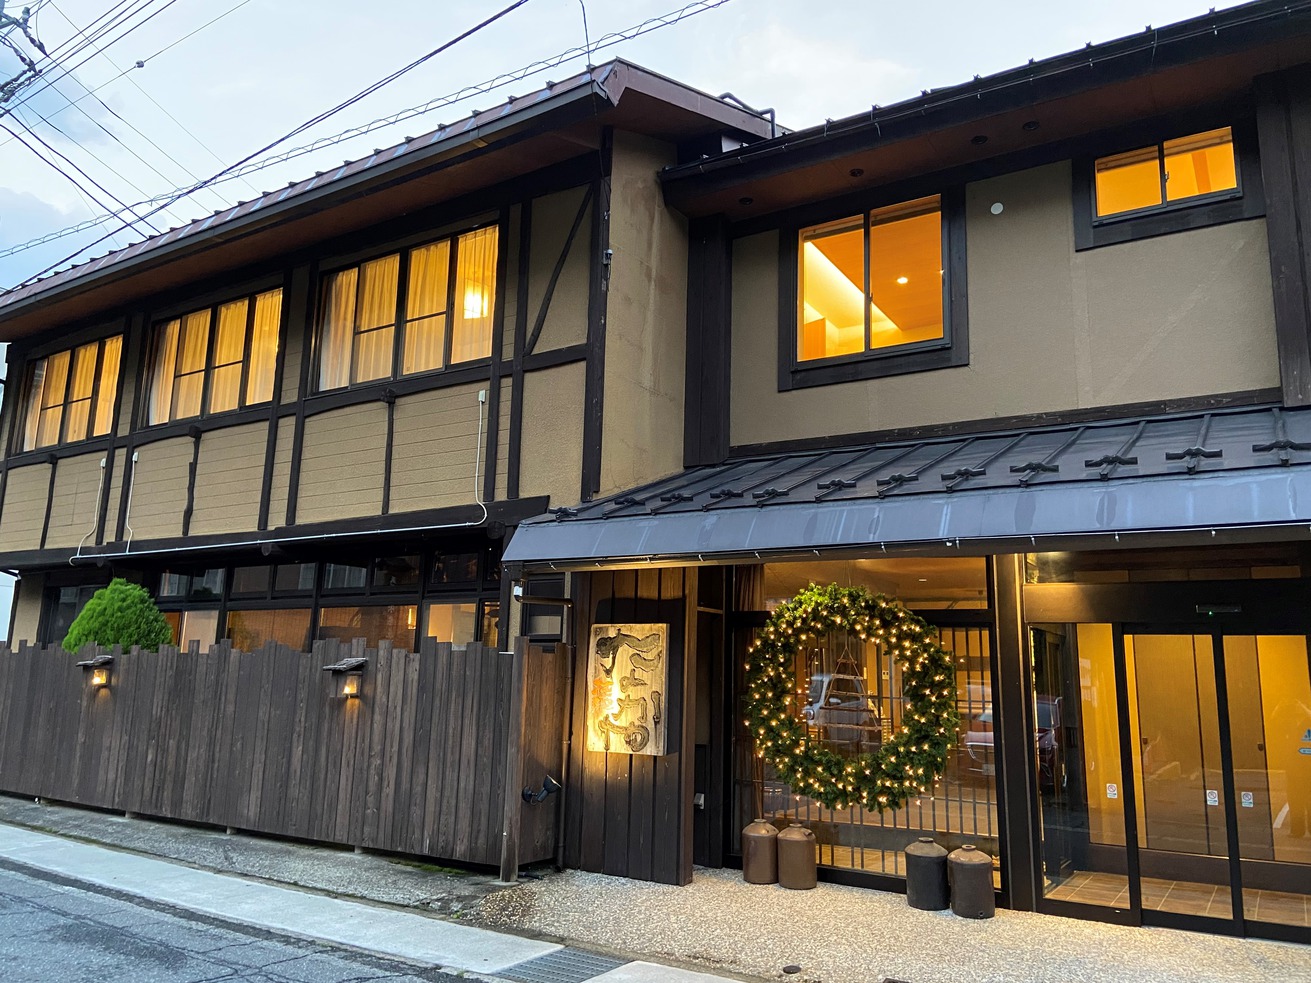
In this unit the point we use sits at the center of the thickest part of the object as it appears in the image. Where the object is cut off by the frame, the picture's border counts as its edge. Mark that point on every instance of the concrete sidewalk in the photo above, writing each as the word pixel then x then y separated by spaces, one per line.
pixel 417 938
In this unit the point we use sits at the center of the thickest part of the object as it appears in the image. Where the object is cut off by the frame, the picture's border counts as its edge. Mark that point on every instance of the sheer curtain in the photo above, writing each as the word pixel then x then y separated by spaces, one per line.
pixel 229 349
pixel 193 349
pixel 77 408
pixel 109 363
pixel 160 407
pixel 425 307
pixel 52 399
pixel 32 412
pixel 376 319
pixel 337 330
pixel 475 295
pixel 264 347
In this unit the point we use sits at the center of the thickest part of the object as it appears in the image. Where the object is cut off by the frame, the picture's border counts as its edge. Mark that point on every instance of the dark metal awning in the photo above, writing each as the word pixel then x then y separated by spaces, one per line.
pixel 1227 470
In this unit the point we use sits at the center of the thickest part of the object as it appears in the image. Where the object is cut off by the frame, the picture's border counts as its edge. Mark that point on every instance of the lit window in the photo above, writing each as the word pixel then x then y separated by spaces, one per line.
pixel 455 622
pixel 368 331
pixel 71 394
pixel 1178 170
pixel 215 360
pixel 872 283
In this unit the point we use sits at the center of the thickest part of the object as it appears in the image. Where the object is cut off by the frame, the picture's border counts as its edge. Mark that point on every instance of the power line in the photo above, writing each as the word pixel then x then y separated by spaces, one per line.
pixel 368 90
pixel 499 81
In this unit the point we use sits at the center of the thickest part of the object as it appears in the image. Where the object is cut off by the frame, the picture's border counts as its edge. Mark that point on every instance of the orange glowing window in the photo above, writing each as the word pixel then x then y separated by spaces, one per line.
pixel 871 282
pixel 1174 171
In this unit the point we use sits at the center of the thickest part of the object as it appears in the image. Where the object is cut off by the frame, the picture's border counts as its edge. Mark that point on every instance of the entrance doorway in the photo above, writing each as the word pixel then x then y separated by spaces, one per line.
pixel 1221 810
pixel 1175 775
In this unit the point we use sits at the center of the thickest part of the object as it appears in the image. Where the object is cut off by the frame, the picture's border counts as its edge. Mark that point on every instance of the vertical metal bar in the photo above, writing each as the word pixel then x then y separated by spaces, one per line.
pixel 1227 776
pixel 1128 788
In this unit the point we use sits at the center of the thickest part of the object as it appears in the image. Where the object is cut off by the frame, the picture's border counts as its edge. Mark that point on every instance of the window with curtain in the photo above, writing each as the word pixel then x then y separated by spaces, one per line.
pixel 215 360
pixel 70 395
pixel 414 311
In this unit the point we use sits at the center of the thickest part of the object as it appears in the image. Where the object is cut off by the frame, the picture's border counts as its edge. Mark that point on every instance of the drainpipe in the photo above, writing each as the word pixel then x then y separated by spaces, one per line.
pixel 566 729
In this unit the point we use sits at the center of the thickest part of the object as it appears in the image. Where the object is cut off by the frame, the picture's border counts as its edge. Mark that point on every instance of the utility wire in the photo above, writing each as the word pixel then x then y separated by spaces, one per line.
pixel 368 90
pixel 500 81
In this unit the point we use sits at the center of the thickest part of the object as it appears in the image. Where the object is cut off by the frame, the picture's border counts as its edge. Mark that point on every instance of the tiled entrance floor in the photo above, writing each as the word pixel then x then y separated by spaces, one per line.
pixel 1185 898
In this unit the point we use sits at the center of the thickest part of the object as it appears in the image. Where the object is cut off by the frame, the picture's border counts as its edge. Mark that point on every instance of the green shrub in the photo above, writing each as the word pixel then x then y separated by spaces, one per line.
pixel 120 614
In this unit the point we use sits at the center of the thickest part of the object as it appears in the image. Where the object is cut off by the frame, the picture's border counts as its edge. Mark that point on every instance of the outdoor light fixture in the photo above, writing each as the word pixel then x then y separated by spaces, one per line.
pixel 99 671
pixel 549 787
pixel 351 672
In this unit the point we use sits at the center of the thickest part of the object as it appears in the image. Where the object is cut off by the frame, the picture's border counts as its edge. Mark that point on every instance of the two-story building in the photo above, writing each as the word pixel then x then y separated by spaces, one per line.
pixel 1032 354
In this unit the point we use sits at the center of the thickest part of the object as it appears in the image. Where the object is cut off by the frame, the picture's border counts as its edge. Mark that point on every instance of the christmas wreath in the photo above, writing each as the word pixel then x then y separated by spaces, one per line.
pixel 907 761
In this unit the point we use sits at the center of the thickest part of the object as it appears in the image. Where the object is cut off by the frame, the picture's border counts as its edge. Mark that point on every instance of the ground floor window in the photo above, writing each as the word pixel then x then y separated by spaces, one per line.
pixel 849 693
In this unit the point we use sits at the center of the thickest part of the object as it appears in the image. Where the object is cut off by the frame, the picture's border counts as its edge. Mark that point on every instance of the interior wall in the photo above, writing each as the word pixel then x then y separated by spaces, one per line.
pixel 1180 315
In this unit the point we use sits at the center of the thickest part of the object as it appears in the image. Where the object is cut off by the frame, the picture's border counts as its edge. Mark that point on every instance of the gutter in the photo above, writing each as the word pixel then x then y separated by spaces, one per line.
pixel 1151 43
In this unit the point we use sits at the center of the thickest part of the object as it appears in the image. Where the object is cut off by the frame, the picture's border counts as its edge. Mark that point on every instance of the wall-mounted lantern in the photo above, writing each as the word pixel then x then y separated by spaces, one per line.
pixel 549 786
pixel 98 671
pixel 348 674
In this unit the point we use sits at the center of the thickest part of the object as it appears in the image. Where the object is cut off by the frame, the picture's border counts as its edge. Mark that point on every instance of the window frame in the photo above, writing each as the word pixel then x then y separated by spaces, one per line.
pixel 949 351
pixel 22 402
pixel 1246 201
pixel 401 320
pixel 153 338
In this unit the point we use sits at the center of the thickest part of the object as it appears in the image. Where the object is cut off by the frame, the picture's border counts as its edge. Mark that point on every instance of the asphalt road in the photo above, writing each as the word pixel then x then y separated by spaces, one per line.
pixel 53 930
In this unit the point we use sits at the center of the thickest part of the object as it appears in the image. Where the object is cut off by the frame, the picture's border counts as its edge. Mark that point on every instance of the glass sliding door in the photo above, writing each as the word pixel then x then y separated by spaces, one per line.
pixel 1182 799
pixel 1269 688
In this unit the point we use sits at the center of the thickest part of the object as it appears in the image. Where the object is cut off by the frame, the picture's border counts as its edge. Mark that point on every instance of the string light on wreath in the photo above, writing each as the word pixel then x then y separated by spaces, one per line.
pixel 906 764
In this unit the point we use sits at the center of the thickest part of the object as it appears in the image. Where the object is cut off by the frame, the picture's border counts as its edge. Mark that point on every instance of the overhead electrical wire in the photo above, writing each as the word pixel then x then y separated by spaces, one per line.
pixel 497 82
pixel 318 118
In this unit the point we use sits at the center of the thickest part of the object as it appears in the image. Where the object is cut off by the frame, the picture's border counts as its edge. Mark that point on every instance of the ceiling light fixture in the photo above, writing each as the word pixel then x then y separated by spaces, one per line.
pixel 903 280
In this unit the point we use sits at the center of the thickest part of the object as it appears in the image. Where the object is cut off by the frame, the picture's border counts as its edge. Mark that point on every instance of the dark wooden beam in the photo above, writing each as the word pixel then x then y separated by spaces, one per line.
pixel 709 342
pixel 597 306
pixel 1283 119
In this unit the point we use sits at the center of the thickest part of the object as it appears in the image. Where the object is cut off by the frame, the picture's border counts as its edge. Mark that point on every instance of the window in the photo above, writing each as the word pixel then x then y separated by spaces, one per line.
pixel 875 294
pixel 1151 184
pixel 415 311
pixel 392 623
pixel 70 395
pixel 215 360
pixel 1180 170
pixel 286 626
pixel 454 622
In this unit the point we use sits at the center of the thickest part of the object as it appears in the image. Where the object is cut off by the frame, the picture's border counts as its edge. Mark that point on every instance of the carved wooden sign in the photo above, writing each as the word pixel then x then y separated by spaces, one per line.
pixel 627 669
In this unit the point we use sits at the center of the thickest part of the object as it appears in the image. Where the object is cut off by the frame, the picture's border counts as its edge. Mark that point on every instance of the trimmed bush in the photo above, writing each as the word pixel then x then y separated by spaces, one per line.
pixel 120 614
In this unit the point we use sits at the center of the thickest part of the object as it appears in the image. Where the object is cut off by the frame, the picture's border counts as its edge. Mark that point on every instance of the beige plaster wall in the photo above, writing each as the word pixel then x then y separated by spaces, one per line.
pixel 27 611
pixel 159 489
pixel 229 474
pixel 552 459
pixel 74 507
pixel 281 483
pixel 24 511
pixel 341 463
pixel 436 448
pixel 646 322
pixel 566 319
pixel 1180 315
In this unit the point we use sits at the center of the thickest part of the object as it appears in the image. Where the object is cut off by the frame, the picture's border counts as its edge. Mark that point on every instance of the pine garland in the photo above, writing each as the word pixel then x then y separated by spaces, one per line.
pixel 907 762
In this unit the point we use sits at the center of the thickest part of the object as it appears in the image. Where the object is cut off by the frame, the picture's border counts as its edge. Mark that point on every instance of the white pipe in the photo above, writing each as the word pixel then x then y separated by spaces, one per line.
pixel 95 515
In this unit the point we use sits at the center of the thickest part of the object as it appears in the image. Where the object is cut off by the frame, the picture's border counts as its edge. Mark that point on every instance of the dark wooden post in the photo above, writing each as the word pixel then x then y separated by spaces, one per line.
pixel 512 800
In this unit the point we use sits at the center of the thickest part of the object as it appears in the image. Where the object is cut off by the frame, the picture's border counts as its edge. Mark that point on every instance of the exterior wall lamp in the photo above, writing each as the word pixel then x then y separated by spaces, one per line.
pixel 350 674
pixel 98 671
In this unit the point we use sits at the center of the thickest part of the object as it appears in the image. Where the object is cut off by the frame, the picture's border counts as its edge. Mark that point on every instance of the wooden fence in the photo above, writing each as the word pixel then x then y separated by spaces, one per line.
pixel 264 741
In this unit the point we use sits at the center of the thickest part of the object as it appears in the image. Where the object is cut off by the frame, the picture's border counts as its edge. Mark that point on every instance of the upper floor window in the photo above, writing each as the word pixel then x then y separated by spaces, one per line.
pixel 70 395
pixel 872 282
pixel 1178 171
pixel 877 293
pixel 1142 189
pixel 216 359
pixel 414 311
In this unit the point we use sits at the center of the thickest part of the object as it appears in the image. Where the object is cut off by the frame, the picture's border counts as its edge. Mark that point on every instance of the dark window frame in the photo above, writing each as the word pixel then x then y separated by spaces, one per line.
pixel 950 351
pixel 154 338
pixel 23 394
pixel 401 321
pixel 1247 201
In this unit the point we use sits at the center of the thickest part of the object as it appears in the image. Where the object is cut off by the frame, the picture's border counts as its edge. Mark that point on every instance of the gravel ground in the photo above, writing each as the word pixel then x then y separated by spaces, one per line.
pixel 851 935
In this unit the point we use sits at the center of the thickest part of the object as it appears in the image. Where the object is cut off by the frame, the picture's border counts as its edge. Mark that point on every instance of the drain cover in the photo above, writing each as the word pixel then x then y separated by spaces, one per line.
pixel 562 966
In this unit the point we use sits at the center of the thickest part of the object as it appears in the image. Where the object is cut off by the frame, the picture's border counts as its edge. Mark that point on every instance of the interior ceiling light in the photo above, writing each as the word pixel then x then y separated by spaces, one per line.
pixel 903 280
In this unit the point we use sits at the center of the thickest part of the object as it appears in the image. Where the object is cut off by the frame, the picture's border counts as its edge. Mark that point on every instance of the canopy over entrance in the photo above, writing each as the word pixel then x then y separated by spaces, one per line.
pixel 1229 474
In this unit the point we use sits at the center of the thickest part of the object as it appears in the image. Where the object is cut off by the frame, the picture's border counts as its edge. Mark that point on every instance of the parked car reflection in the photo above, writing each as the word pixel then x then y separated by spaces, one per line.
pixel 980 756
pixel 843 712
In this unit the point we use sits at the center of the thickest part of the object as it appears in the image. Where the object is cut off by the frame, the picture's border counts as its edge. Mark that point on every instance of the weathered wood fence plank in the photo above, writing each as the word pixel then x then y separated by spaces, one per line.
pixel 264 741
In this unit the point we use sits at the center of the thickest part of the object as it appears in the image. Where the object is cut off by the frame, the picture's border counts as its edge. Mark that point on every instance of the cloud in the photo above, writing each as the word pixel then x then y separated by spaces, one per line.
pixel 24 216
pixel 795 74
